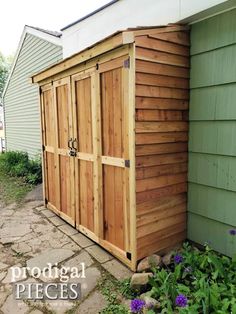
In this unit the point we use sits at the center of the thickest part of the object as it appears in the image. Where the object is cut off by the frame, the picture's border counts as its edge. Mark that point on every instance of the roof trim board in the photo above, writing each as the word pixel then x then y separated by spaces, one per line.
pixel 109 43
pixel 40 33
pixel 90 14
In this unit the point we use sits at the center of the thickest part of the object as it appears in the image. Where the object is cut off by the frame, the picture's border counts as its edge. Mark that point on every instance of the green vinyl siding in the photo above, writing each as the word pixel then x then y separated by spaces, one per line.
pixel 213 103
pixel 21 102
pixel 212 133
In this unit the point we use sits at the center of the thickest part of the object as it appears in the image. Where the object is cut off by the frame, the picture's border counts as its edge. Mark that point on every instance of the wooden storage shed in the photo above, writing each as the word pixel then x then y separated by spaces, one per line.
pixel 115 132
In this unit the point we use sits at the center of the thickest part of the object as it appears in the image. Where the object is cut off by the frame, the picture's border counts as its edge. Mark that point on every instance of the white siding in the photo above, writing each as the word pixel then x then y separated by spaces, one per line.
pixel 21 103
pixel 129 13
pixel 1 125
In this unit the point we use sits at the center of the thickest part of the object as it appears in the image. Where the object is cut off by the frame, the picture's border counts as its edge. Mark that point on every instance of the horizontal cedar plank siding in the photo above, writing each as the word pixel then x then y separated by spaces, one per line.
pixel 154 138
pixel 162 96
pixel 155 171
pixel 150 67
pixel 212 151
pixel 21 98
pixel 160 148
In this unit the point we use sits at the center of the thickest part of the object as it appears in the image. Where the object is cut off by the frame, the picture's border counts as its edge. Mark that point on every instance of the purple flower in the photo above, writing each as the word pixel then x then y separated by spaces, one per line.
pixel 137 305
pixel 181 300
pixel 232 232
pixel 178 259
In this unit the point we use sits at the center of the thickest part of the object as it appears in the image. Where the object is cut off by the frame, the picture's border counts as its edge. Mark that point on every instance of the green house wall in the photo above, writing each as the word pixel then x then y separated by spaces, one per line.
pixel 212 135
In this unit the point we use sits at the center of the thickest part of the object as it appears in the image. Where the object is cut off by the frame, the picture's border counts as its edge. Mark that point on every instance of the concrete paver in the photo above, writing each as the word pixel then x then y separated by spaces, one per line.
pixel 57 221
pixel 52 256
pixel 117 269
pixel 98 253
pixel 33 236
pixel 68 230
pixel 93 304
pixel 82 240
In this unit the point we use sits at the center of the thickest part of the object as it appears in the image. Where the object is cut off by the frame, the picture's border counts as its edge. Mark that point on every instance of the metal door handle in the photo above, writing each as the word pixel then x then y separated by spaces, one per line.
pixel 73 144
pixel 70 140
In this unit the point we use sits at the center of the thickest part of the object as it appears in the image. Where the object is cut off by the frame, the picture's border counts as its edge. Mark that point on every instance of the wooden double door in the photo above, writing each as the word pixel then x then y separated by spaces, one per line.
pixel 85 121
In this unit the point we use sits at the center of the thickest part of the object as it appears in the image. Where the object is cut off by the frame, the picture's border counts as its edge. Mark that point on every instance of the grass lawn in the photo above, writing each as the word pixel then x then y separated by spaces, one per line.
pixel 13 189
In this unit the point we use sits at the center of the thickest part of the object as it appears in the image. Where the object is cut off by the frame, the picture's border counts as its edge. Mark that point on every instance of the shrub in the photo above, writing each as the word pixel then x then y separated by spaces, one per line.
pixel 18 164
pixel 195 282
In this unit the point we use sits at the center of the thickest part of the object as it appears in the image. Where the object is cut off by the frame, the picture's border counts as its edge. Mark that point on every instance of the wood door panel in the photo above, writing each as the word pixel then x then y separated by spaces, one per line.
pixel 64 163
pixel 84 168
pixel 86 195
pixel 113 205
pixel 49 118
pixel 84 115
pixel 62 116
pixel 50 178
pixel 112 114
pixel 65 184
pixel 114 153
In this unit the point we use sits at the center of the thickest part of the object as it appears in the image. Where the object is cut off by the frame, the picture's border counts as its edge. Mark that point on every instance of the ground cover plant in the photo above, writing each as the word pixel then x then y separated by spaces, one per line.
pixel 18 175
pixel 196 281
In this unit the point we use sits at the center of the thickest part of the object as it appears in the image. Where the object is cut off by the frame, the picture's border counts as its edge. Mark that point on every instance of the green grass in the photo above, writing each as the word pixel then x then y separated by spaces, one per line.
pixel 114 292
pixel 13 189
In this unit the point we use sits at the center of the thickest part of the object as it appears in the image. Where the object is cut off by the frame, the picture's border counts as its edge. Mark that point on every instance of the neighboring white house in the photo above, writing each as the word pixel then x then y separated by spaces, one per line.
pixel 123 14
pixel 37 50
pixel 40 48
pixel 1 129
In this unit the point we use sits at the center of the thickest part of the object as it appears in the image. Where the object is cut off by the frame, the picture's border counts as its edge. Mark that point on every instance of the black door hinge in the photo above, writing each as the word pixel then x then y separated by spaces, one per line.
pixel 127 63
pixel 46 201
pixel 127 163
pixel 43 148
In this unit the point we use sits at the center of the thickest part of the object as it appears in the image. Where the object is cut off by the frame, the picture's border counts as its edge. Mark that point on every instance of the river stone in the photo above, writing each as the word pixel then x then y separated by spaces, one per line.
pixel 140 280
pixel 167 259
pixel 148 262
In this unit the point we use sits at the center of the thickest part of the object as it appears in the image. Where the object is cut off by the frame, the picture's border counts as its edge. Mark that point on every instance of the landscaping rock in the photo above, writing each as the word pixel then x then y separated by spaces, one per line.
pixel 166 259
pixel 148 262
pixel 140 280
pixel 151 303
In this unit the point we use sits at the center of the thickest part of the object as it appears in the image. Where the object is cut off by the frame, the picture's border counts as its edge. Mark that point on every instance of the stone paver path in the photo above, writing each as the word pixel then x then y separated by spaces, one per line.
pixel 33 236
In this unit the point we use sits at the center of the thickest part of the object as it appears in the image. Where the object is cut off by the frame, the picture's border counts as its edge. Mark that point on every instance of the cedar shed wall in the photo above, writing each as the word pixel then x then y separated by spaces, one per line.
pixel 162 82
pixel 125 187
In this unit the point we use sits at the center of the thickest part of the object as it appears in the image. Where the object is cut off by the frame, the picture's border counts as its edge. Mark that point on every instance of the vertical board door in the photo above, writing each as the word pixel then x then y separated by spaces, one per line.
pixel 115 153
pixel 84 160
pixel 49 144
pixel 64 163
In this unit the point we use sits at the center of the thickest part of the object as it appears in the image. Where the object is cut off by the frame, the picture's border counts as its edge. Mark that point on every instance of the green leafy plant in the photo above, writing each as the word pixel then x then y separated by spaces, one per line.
pixel 196 282
pixel 18 164
pixel 114 292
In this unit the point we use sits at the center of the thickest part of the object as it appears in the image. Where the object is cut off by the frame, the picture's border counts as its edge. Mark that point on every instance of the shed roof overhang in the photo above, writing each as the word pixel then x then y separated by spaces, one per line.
pixel 114 41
